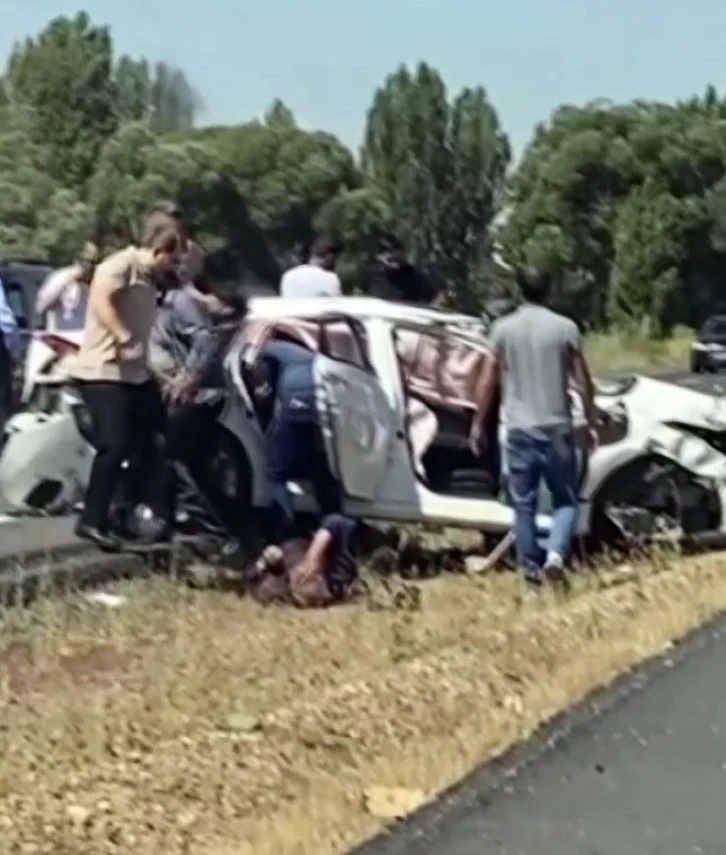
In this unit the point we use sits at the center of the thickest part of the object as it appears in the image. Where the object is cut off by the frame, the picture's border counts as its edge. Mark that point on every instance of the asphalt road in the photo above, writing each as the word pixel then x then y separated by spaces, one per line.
pixel 646 777
pixel 32 535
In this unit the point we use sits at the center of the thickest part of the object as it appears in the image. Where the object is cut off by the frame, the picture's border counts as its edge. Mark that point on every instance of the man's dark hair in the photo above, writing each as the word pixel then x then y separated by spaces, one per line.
pixel 324 247
pixel 535 285
pixel 161 233
pixel 210 279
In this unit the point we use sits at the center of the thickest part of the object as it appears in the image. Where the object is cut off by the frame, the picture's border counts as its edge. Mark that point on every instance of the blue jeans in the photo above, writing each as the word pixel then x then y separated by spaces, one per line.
pixel 294 449
pixel 547 453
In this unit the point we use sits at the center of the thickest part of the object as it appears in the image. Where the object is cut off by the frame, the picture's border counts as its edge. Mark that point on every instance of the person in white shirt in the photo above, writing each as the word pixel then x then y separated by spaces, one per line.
pixel 63 296
pixel 317 278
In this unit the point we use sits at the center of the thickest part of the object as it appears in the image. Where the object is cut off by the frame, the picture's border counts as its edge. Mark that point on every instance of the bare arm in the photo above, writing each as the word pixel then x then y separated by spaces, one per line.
pixel 581 375
pixel 485 395
pixel 486 388
pixel 308 587
pixel 52 289
pixel 107 282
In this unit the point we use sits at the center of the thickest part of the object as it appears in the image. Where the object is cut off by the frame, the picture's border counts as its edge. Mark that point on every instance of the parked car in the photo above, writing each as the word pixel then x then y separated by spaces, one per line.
pixel 21 281
pixel 660 465
pixel 708 351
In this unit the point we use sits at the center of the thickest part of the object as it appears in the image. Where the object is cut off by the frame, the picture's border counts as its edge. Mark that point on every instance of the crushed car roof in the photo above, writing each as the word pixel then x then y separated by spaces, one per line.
pixel 368 307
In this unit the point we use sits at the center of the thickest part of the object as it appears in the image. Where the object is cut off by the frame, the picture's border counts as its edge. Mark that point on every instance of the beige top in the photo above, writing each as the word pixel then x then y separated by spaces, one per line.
pixel 127 280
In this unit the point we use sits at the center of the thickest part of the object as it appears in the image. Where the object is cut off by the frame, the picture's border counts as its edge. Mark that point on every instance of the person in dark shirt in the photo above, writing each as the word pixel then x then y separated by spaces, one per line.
pixel 293 440
pixel 186 351
pixel 395 278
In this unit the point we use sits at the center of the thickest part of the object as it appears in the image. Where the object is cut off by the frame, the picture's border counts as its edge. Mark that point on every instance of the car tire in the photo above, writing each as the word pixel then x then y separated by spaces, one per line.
pixel 231 465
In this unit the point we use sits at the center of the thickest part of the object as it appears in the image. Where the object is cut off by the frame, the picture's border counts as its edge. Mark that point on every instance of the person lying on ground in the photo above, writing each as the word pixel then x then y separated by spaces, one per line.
pixel 313 572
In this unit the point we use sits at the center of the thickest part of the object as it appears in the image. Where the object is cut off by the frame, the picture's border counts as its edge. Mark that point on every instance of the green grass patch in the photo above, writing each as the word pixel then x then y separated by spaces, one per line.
pixel 634 351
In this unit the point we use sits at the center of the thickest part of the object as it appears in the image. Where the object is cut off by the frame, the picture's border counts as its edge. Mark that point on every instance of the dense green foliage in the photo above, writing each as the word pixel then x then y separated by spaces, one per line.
pixel 626 204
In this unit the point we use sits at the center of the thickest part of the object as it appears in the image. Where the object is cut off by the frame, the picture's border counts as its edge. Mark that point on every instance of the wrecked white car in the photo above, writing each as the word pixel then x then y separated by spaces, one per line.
pixel 400 386
pixel 400 395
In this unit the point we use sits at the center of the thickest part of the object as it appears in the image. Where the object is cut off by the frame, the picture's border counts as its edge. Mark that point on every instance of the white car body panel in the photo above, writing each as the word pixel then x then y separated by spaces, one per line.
pixel 43 447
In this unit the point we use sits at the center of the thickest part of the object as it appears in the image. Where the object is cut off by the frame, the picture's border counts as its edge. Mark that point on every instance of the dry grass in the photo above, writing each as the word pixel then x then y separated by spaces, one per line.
pixel 197 722
pixel 633 351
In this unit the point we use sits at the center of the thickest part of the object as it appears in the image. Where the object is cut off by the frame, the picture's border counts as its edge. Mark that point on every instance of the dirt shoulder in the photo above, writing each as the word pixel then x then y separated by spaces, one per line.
pixel 196 722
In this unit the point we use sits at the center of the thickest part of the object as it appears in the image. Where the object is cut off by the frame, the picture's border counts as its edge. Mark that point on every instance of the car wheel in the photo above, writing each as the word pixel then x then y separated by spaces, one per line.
pixel 656 494
pixel 231 470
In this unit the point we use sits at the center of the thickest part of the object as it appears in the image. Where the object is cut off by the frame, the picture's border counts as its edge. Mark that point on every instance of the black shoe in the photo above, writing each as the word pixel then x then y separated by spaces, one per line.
pixel 103 540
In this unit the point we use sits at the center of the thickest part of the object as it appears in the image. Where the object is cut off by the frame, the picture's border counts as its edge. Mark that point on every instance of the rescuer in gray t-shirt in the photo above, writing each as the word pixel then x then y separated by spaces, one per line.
pixel 535 345
pixel 535 353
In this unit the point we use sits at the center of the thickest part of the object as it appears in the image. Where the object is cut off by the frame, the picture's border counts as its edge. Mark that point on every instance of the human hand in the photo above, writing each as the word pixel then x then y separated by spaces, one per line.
pixel 129 350
pixel 180 389
pixel 592 438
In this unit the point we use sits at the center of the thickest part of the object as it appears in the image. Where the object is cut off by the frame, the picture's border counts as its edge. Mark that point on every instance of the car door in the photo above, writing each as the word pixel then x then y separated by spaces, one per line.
pixel 356 416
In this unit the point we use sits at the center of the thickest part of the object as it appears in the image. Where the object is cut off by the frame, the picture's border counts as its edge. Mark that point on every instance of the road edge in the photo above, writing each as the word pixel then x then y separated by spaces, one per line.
pixel 485 780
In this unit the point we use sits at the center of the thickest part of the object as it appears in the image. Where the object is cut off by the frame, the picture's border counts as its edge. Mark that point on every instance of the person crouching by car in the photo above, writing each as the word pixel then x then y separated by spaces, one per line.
pixel 312 572
pixel 293 439
pixel 186 349
pixel 112 371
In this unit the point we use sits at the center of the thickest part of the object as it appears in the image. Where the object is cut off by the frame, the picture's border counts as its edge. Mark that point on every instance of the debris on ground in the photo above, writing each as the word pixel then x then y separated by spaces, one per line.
pixel 392 802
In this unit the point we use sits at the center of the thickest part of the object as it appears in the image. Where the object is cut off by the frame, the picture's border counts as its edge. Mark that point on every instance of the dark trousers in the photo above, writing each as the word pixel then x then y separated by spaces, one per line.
pixel 294 449
pixel 127 423
pixel 6 384
pixel 191 437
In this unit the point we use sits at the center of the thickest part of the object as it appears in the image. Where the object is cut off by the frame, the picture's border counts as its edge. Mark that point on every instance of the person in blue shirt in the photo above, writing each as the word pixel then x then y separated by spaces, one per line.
pixel 10 352
pixel 293 439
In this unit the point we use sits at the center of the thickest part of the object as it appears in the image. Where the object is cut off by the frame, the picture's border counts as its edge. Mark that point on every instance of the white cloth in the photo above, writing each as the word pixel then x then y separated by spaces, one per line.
pixel 309 280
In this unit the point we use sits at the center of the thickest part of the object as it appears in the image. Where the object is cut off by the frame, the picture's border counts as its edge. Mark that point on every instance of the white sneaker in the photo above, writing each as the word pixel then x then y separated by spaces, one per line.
pixel 554 567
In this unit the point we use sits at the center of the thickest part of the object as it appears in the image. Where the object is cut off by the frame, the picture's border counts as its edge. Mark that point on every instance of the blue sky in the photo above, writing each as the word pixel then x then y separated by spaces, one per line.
pixel 324 58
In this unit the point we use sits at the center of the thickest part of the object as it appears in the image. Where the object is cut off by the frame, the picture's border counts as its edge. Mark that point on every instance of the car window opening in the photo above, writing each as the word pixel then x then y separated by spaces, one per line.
pixel 439 375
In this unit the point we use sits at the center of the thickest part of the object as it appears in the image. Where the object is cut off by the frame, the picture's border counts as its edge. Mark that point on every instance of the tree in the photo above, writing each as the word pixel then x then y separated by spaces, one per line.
pixel 38 219
pixel 65 76
pixel 285 174
pixel 136 168
pixel 280 116
pixel 440 166
pixel 649 242
pixel 359 219
pixel 622 203
pixel 162 97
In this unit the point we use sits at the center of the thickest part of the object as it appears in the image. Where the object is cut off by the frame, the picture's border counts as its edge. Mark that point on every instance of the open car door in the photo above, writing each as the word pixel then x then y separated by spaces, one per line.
pixel 356 417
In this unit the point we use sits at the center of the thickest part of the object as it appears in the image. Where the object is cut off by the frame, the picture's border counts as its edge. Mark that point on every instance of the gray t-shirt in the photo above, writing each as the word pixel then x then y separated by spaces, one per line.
pixel 533 346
